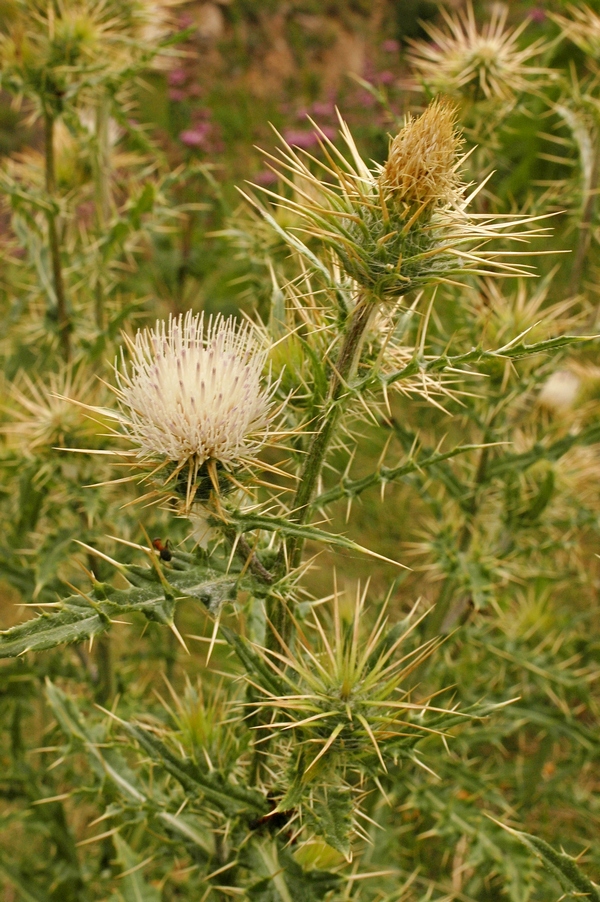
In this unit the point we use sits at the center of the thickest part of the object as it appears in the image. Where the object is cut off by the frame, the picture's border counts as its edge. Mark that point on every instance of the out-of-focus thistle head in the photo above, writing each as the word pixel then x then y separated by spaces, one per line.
pixel 486 63
pixel 49 47
pixel 582 27
pixel 401 225
pixel 53 50
pixel 43 416
pixel 146 21
pixel 194 398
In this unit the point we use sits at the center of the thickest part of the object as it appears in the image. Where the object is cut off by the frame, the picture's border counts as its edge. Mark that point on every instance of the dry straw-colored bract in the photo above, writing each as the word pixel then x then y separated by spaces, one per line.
pixel 421 165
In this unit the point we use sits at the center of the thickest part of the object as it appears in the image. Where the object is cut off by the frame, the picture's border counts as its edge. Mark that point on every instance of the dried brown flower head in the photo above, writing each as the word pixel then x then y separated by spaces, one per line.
pixel 421 166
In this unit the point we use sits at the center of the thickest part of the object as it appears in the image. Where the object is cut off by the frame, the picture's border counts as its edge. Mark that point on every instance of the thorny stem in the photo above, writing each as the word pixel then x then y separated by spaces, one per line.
pixel 585 228
pixel 343 368
pixel 64 325
pixel 105 686
pixel 316 454
pixel 102 194
pixel 105 689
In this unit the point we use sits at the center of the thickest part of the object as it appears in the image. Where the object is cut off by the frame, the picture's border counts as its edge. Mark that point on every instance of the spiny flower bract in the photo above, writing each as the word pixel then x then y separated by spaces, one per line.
pixel 192 393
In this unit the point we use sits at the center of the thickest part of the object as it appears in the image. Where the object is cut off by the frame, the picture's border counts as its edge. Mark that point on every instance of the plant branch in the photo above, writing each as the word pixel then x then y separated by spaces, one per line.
pixel 102 194
pixel 350 488
pixel 313 465
pixel 64 324
pixel 435 621
pixel 513 351
pixel 291 550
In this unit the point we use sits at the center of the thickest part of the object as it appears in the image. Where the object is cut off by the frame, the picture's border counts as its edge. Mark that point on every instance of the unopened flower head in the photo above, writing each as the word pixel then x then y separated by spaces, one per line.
pixel 399 226
pixel 193 393
pixel 50 50
pixel 484 63
pixel 421 165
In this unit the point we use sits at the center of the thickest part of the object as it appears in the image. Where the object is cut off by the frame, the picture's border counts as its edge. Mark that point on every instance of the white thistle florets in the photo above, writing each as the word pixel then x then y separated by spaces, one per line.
pixel 193 392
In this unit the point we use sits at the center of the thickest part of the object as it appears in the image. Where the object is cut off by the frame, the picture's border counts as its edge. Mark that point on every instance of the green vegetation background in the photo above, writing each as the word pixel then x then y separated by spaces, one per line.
pixel 247 63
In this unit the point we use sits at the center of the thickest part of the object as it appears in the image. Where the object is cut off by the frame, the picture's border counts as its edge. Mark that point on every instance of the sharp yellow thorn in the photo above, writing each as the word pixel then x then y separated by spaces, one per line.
pixel 213 640
pixel 179 637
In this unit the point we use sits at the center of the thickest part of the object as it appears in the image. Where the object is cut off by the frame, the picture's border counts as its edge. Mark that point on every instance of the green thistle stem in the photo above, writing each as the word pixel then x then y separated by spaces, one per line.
pixel 316 456
pixel 102 194
pixel 105 682
pixel 105 688
pixel 64 324
pixel 277 612
pixel 585 229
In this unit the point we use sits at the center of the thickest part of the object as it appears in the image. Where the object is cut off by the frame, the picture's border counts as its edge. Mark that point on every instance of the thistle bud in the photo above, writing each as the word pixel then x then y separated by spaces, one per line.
pixel 421 166
pixel 403 225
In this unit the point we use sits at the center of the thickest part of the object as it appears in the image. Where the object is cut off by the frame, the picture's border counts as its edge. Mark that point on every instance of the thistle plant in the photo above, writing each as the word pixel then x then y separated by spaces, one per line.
pixel 582 26
pixel 388 621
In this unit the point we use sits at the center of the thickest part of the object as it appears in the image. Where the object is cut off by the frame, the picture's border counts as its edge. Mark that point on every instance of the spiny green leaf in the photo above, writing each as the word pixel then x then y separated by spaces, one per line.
pixel 49 630
pixel 86 615
pixel 350 488
pixel 476 355
pixel 107 761
pixel 191 828
pixel 307 886
pixel 511 463
pixel 133 886
pixel 230 799
pixel 562 866
pixel 309 533
pixel 282 879
pixel 331 818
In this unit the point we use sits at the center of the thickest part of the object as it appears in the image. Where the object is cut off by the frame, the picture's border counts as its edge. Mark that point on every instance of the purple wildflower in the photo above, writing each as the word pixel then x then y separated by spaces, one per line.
pixel 177 77
pixel 196 137
pixel 537 14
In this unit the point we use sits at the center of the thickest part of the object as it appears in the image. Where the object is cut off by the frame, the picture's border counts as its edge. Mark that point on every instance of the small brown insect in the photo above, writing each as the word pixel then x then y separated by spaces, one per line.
pixel 164 551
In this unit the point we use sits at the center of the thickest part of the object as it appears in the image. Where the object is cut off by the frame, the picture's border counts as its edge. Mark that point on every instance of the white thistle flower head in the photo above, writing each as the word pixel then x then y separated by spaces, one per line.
pixel 193 394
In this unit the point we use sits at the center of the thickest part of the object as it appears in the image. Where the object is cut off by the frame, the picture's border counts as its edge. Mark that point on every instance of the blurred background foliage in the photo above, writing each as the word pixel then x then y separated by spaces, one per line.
pixel 505 541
